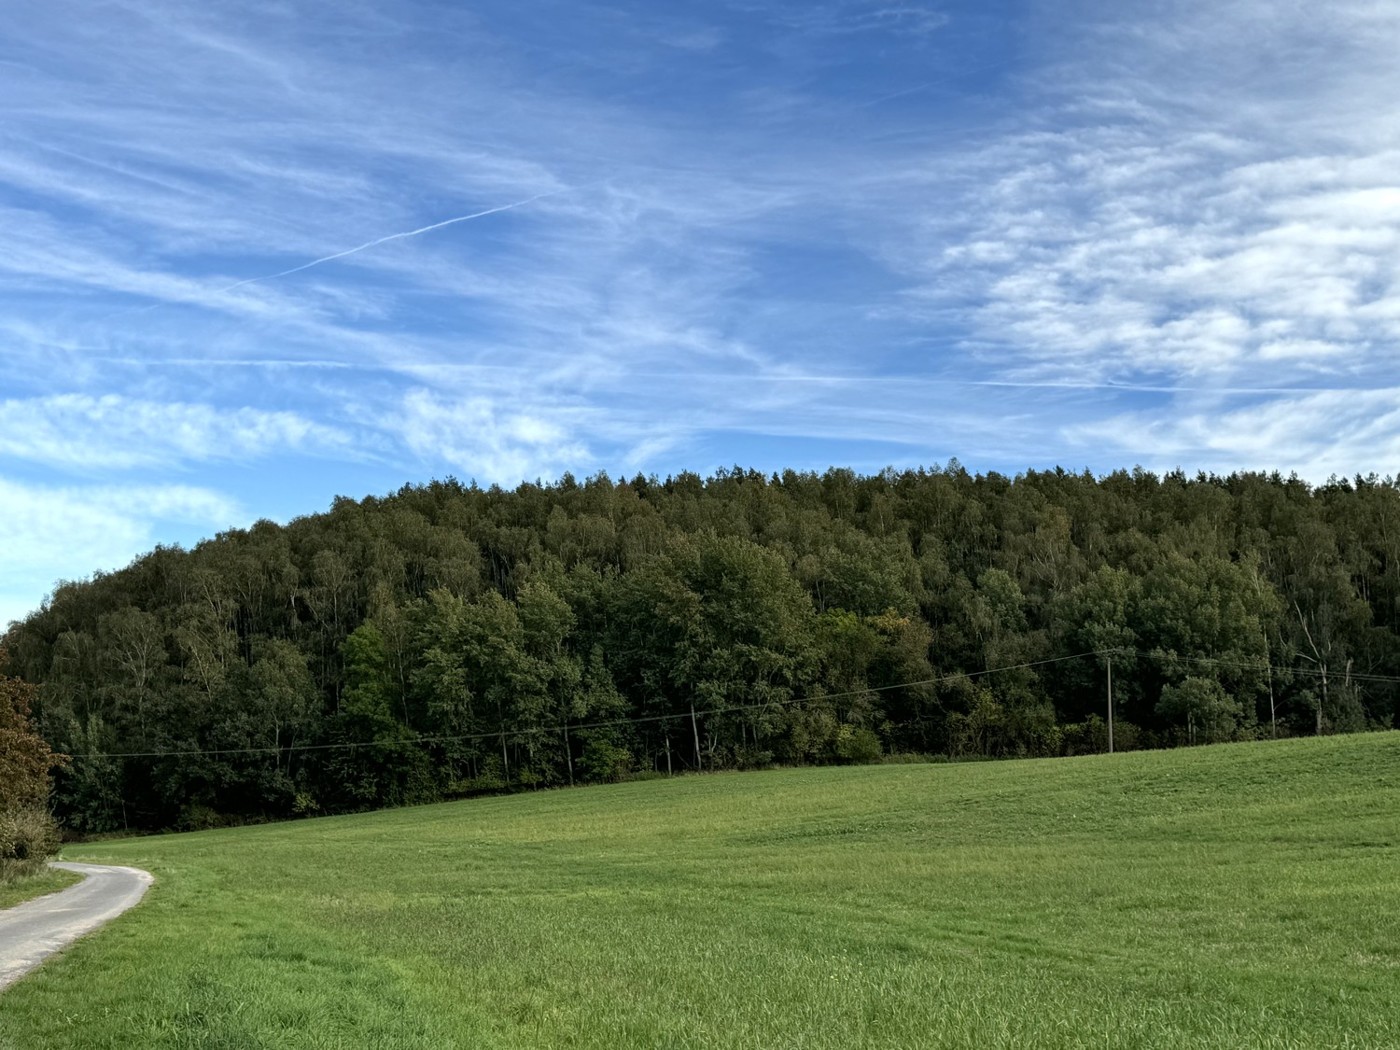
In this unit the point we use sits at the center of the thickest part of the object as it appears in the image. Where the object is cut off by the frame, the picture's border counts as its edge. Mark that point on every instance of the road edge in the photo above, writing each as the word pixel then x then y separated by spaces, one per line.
pixel 49 945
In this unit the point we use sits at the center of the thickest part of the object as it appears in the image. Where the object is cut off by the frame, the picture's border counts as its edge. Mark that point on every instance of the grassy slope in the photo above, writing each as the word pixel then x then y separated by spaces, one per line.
pixel 47 880
pixel 1230 896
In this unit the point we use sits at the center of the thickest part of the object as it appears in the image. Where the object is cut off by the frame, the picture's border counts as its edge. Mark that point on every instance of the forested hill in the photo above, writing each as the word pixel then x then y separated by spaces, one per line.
pixel 449 639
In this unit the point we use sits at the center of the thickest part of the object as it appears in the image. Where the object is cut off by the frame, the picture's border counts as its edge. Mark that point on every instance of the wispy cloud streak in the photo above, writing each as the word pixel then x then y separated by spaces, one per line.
pixel 391 237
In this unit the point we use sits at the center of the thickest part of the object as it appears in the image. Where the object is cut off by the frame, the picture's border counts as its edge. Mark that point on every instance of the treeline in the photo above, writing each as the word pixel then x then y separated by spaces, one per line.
pixel 450 639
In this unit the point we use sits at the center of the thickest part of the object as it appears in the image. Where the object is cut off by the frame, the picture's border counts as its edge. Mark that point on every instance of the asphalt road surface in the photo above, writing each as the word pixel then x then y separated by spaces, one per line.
pixel 34 930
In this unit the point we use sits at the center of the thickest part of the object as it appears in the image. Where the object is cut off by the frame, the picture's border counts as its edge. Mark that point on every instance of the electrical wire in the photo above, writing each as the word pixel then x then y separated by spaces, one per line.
pixel 535 731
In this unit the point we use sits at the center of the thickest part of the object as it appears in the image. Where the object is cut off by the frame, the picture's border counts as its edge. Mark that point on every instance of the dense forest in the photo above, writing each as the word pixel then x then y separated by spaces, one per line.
pixel 450 639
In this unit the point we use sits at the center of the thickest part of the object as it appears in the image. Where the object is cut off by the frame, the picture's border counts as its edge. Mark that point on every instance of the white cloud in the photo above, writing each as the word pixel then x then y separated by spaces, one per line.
pixel 1300 350
pixel 1151 158
pixel 476 437
pixel 1316 435
pixel 48 534
pixel 83 432
pixel 1206 197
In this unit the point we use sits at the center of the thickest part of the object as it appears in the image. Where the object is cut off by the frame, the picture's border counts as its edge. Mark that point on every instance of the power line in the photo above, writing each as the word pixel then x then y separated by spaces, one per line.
pixel 509 734
pixel 1250 665
pixel 535 731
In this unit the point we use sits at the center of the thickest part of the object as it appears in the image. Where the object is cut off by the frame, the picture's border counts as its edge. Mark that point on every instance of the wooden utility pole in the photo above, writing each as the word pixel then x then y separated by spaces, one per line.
pixel 1273 717
pixel 1110 705
pixel 695 728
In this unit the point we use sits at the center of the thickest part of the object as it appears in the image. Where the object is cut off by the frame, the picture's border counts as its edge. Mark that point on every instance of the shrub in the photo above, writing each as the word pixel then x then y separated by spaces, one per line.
pixel 28 836
pixel 197 817
pixel 606 762
pixel 857 744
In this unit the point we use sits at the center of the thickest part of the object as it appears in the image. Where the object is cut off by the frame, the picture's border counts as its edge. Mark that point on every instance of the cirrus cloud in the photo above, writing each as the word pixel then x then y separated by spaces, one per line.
pixel 84 432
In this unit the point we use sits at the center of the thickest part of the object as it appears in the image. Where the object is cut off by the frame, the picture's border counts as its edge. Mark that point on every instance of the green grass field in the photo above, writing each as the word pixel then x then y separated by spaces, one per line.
pixel 1236 896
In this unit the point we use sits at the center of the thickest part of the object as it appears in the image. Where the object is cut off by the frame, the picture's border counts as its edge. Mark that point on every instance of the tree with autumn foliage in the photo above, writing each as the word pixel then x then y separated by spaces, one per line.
pixel 28 833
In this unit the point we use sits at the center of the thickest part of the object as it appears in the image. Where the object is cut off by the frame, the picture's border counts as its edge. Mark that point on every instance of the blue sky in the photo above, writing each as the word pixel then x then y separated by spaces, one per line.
pixel 240 272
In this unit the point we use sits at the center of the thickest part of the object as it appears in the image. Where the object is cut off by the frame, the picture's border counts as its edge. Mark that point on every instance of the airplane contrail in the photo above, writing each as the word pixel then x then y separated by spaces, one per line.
pixel 391 237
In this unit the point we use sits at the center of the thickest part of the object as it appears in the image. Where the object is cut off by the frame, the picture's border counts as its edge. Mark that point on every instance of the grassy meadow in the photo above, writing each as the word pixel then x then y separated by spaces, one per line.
pixel 1233 896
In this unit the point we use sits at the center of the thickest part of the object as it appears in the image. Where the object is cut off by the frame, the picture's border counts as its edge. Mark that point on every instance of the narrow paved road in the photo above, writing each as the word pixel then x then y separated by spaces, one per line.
pixel 34 930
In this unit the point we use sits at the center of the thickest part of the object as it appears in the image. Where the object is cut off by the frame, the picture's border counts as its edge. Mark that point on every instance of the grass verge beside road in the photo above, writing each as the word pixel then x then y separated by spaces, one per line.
pixel 16 889
pixel 1233 896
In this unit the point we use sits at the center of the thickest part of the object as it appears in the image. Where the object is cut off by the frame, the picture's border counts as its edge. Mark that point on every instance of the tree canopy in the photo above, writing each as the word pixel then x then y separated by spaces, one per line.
pixel 448 639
